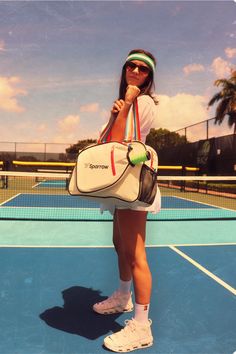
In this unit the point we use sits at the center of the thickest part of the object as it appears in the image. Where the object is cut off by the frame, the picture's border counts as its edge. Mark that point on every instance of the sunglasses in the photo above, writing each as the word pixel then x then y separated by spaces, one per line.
pixel 130 66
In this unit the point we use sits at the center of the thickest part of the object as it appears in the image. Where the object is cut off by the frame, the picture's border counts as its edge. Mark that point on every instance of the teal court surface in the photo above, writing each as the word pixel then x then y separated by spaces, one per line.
pixel 57 259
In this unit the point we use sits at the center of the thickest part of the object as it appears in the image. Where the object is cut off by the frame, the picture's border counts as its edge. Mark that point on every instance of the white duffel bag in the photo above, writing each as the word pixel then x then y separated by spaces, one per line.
pixel 120 171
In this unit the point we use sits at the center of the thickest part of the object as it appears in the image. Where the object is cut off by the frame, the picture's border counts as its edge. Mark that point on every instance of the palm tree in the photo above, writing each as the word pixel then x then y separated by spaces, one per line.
pixel 227 101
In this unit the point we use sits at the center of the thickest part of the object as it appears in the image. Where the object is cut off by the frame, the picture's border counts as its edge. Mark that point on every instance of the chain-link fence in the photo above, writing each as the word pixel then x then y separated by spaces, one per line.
pixel 34 151
pixel 206 129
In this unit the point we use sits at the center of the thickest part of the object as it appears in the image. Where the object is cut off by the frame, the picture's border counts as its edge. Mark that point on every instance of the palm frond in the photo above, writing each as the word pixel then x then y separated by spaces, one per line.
pixel 214 99
pixel 222 82
pixel 232 118
pixel 231 86
pixel 227 100
pixel 221 110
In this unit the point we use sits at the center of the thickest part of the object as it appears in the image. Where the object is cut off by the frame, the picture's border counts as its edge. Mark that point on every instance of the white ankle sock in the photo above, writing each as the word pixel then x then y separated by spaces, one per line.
pixel 141 313
pixel 125 286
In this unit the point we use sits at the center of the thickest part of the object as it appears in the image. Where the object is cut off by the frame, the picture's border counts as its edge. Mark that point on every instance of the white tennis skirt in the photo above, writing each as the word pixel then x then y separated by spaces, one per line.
pixel 154 208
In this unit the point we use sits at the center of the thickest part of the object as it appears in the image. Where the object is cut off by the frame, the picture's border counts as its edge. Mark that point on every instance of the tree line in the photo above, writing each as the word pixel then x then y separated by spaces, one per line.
pixel 157 138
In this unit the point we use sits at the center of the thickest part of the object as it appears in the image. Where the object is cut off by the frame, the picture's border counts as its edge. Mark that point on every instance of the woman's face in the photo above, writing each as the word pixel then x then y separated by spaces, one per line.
pixel 136 72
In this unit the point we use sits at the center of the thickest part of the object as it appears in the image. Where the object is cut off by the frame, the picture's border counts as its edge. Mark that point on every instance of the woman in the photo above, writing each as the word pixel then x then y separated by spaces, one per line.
pixel 137 81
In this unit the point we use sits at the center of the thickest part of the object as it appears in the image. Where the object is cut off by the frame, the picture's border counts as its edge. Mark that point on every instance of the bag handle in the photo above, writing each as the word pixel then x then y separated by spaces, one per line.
pixel 105 135
pixel 132 129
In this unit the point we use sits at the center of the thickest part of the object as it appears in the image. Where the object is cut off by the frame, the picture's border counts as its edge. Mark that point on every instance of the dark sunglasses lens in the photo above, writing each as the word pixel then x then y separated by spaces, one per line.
pixel 143 69
pixel 131 66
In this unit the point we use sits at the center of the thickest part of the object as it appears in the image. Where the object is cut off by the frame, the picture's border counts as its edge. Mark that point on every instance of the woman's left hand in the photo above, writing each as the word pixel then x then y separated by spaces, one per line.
pixel 117 106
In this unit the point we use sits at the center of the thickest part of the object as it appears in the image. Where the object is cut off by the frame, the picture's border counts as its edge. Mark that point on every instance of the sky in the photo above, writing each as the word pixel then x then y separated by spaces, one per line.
pixel 60 63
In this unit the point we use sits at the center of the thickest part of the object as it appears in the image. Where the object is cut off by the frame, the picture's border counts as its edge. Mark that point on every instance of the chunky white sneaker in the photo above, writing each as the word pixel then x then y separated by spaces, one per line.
pixel 134 335
pixel 116 303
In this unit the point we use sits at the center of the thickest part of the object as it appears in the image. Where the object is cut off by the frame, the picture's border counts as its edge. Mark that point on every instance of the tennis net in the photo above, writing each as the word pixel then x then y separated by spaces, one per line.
pixel 44 196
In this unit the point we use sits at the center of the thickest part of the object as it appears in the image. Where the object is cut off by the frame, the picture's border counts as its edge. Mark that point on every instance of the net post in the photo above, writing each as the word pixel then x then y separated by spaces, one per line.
pixel 6 165
pixel 183 182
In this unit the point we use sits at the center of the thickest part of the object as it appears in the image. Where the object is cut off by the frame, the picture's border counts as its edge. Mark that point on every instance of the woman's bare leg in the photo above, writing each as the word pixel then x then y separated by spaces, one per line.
pixel 129 240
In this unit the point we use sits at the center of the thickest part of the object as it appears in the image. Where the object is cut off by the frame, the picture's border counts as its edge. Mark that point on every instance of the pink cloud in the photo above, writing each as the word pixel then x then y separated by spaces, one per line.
pixel 9 94
pixel 90 108
pixel 188 69
pixel 69 123
pixel 2 45
pixel 221 67
pixel 230 52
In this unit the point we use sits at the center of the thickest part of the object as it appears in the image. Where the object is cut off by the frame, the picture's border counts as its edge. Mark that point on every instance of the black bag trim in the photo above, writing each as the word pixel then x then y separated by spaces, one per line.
pixel 148 185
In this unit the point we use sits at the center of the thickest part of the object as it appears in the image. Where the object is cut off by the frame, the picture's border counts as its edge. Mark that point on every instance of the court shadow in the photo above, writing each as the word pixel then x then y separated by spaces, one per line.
pixel 77 317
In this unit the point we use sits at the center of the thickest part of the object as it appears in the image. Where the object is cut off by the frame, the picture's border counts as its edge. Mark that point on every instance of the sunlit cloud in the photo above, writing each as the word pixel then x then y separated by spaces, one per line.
pixel 67 129
pixel 69 123
pixel 23 130
pixel 2 45
pixel 9 94
pixel 42 127
pixel 181 110
pixel 188 69
pixel 62 83
pixel 105 115
pixel 230 52
pixel 90 108
pixel 231 35
pixel 221 67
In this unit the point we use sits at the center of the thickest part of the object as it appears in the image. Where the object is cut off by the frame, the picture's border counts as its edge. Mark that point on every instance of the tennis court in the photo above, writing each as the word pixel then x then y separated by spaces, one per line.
pixel 57 259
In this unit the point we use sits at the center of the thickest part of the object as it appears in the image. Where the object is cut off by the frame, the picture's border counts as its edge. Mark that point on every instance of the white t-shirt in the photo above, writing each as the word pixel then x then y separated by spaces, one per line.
pixel 147 112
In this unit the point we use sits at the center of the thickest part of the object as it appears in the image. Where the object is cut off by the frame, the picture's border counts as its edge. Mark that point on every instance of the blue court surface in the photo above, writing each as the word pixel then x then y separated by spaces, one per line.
pixel 66 207
pixel 51 184
pixel 67 201
pixel 52 271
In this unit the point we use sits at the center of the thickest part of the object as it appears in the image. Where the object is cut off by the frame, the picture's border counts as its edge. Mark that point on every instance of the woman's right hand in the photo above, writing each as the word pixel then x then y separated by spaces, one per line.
pixel 131 93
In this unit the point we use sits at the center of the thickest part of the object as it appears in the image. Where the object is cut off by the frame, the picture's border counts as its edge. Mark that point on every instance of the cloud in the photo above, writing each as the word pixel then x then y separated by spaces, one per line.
pixel 9 93
pixel 66 129
pixel 69 123
pixel 230 52
pixel 221 67
pixel 188 69
pixel 90 108
pixel 24 129
pixel 2 45
pixel 42 128
pixel 105 115
pixel 180 111
pixel 62 83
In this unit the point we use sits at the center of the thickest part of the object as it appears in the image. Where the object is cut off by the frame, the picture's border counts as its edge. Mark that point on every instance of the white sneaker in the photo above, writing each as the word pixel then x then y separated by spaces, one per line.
pixel 116 303
pixel 133 336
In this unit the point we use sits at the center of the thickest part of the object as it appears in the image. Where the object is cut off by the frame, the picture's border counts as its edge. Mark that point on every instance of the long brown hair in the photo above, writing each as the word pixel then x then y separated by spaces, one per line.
pixel 147 87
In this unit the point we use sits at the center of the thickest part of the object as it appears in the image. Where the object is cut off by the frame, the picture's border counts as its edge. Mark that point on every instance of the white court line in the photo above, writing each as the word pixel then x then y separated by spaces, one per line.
pixel 204 270
pixel 194 244
pixel 36 185
pixel 42 207
pixel 212 206
pixel 54 246
pixel 111 246
pixel 8 200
